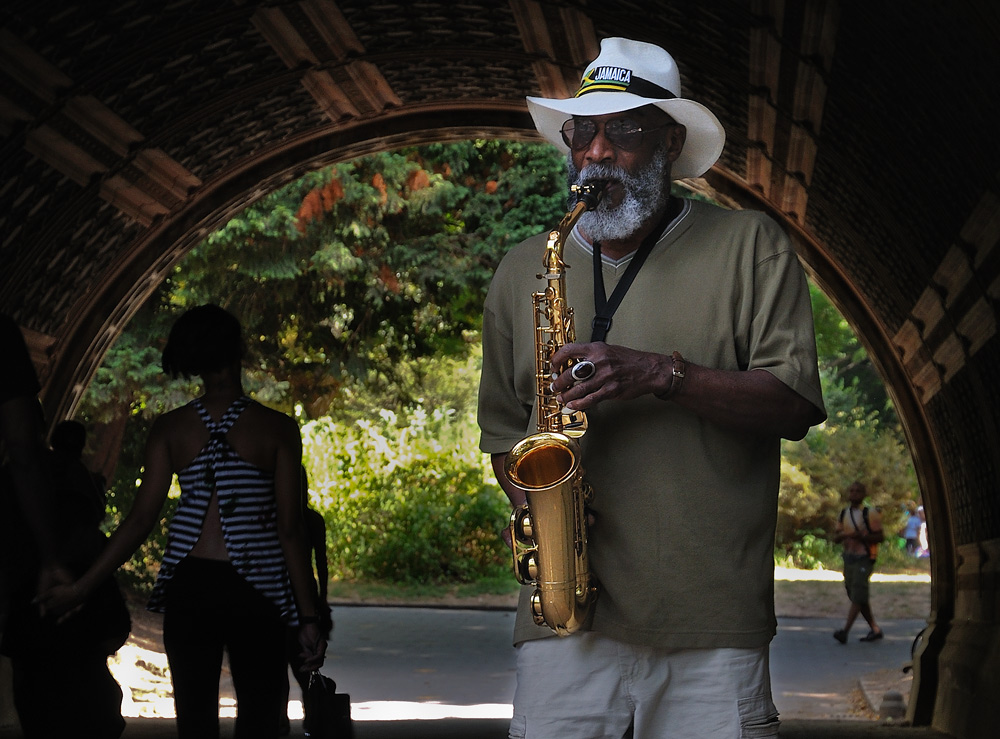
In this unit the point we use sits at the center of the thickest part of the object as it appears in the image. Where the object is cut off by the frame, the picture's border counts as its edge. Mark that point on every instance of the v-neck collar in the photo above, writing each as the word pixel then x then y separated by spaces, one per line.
pixel 618 265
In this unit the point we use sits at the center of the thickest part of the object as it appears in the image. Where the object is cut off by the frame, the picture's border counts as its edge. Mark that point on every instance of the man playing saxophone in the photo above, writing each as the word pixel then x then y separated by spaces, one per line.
pixel 694 335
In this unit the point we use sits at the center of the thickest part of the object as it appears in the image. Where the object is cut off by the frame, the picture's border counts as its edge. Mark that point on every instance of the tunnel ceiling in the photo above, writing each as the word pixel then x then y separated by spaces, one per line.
pixel 132 129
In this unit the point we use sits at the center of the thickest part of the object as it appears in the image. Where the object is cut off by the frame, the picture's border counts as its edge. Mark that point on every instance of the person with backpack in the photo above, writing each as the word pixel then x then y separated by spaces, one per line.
pixel 859 529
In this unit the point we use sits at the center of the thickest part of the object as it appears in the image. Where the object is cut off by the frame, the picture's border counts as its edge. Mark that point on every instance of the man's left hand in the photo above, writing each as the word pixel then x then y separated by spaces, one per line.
pixel 620 374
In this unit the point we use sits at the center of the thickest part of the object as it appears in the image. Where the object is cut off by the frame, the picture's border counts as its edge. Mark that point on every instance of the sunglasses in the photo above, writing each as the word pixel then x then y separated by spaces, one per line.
pixel 626 134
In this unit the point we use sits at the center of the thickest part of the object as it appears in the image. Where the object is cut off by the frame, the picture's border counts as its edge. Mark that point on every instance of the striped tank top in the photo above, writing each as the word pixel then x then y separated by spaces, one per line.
pixel 247 508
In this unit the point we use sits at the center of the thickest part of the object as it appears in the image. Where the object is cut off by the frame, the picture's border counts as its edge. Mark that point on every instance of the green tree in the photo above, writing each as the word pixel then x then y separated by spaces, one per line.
pixel 405 497
pixel 846 364
pixel 351 272
pixel 860 440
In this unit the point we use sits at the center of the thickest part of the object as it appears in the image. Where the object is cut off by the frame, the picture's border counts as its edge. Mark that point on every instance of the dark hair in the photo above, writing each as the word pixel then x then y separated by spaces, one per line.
pixel 69 437
pixel 203 339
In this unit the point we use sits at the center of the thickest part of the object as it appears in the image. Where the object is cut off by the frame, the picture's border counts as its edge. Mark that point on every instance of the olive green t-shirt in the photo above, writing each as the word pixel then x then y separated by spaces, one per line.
pixel 685 510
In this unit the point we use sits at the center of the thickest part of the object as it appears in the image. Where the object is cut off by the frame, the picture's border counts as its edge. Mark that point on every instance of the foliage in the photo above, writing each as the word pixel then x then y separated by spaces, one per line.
pixel 834 457
pixel 846 365
pixel 130 376
pixel 350 272
pixel 405 497
pixel 809 550
pixel 347 274
pixel 391 591
pixel 813 550
pixel 802 507
pixel 893 557
pixel 139 572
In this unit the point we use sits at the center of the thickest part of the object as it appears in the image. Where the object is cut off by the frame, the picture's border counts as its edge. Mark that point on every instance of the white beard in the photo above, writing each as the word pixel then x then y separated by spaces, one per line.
pixel 645 193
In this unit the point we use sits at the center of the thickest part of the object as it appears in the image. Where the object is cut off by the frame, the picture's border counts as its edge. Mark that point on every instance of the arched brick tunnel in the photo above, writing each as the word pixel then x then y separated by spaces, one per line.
pixel 131 130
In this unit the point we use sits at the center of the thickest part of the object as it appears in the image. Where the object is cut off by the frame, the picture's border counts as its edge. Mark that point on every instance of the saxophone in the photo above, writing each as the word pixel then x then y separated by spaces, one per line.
pixel 549 532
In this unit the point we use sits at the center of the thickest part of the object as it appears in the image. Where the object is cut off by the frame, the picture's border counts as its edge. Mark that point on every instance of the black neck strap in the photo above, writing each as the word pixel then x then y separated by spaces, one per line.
pixel 604 309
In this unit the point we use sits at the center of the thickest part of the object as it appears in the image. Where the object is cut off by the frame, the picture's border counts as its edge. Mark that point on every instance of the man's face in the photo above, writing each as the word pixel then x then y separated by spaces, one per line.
pixel 657 127
pixel 638 173
pixel 856 493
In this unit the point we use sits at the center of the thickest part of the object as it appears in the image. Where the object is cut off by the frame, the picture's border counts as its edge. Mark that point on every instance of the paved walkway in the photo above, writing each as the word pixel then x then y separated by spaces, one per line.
pixel 403 666
pixel 415 663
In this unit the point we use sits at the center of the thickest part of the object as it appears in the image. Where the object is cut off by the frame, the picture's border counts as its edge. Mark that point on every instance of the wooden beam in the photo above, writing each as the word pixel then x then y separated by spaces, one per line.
pixel 558 62
pixel 315 35
pixel 791 50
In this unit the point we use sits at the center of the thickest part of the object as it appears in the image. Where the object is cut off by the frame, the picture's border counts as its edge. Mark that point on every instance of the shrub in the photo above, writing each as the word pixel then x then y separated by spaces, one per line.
pixel 810 550
pixel 406 499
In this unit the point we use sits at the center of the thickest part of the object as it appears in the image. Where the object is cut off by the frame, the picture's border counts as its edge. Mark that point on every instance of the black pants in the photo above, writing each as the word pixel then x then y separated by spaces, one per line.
pixel 211 608
pixel 56 698
pixel 292 649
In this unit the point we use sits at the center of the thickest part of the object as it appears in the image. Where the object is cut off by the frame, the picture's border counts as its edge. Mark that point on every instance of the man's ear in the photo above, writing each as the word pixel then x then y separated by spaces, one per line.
pixel 676 136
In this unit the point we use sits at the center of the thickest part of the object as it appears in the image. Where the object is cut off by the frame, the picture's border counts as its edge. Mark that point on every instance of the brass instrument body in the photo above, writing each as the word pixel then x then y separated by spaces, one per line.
pixel 549 532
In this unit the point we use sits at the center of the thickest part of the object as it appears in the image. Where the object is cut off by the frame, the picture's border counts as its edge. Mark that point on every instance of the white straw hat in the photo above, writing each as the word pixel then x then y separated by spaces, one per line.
pixel 630 74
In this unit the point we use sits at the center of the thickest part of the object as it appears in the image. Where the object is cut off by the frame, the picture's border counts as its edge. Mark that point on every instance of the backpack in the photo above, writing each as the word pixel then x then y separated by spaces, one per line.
pixel 873 546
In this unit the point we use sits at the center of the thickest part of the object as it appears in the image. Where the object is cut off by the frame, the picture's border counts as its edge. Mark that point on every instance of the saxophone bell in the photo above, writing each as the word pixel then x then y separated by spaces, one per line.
pixel 548 532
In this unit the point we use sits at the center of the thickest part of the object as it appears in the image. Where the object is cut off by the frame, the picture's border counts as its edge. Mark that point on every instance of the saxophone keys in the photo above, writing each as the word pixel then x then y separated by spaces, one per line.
pixel 527 566
pixel 574 423
pixel 537 612
pixel 520 525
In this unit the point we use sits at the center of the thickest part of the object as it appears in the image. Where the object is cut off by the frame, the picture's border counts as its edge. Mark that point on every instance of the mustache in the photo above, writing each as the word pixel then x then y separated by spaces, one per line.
pixel 600 171
pixel 644 191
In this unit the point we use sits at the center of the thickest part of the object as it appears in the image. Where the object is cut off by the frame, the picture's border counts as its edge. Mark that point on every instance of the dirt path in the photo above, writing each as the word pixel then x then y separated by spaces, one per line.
pixel 820 594
pixel 797 594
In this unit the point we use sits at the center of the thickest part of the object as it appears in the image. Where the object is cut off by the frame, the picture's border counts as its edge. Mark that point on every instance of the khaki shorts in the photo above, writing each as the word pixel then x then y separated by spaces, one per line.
pixel 857 572
pixel 588 686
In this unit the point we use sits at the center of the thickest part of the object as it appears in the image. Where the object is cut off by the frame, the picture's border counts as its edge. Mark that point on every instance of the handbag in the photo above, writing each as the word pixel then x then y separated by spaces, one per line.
pixel 327 712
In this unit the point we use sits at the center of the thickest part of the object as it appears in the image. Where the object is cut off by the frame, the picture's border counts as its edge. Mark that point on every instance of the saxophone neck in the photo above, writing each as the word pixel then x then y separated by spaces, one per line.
pixel 588 195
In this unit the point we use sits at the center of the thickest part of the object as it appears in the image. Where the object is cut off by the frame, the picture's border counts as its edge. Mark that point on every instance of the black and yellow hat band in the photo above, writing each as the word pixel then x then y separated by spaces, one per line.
pixel 618 79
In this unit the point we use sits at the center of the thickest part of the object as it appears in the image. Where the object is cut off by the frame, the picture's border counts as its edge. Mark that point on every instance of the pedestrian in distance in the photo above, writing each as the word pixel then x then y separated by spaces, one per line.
pixel 859 530
pixel 708 362
pixel 235 573
pixel 68 441
pixel 923 543
pixel 911 531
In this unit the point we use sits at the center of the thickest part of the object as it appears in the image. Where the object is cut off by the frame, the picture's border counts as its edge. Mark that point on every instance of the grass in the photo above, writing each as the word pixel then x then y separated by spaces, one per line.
pixel 500 589
pixel 813 552
pixel 811 594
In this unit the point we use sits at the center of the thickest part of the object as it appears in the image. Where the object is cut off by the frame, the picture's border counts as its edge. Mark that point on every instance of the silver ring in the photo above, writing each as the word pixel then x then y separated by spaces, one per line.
pixel 583 370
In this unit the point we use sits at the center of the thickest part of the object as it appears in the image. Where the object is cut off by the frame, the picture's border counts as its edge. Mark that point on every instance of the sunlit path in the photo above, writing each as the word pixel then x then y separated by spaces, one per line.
pixel 786 573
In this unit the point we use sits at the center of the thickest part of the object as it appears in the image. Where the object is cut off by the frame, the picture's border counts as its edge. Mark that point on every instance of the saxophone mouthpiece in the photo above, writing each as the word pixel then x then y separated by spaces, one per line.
pixel 590 192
